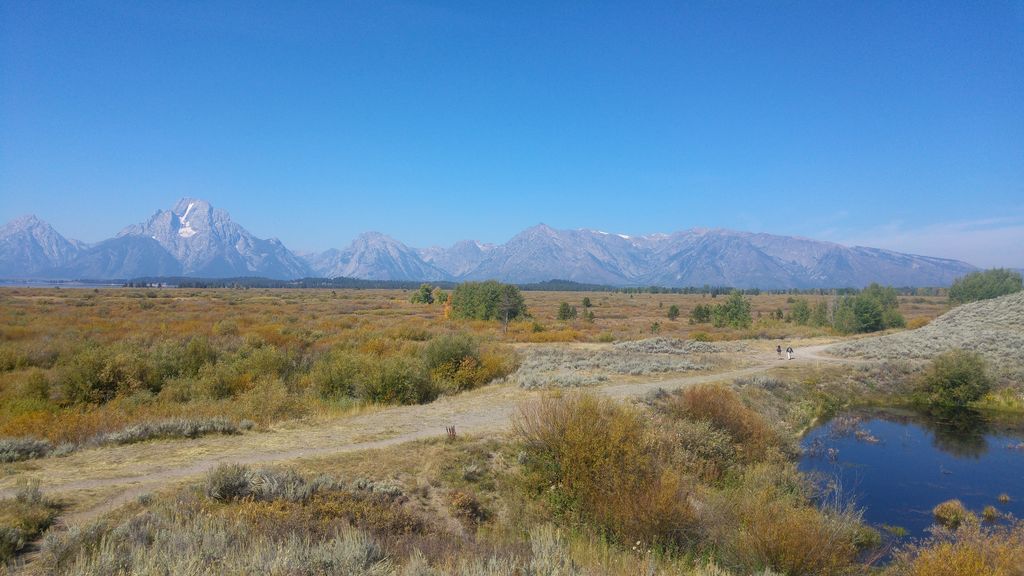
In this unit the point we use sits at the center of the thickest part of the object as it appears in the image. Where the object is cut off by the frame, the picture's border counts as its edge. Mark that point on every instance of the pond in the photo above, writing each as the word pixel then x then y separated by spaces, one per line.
pixel 898 465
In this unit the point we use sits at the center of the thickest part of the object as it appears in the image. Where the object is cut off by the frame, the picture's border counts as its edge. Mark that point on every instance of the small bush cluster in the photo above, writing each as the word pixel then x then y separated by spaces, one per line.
pixel 984 285
pixel 447 363
pixel 872 309
pixel 230 482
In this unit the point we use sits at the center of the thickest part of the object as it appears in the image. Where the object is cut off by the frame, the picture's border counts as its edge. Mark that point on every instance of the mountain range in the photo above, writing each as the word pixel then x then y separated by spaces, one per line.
pixel 195 239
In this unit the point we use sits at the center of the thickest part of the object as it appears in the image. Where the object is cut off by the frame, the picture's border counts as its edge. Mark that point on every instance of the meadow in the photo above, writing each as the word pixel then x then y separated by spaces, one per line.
pixel 76 365
pixel 698 478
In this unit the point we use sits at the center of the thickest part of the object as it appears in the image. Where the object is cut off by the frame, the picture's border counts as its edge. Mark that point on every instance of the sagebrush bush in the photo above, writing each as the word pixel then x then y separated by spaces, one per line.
pixel 15 449
pixel 230 482
pixel 23 518
pixel 172 428
pixel 955 378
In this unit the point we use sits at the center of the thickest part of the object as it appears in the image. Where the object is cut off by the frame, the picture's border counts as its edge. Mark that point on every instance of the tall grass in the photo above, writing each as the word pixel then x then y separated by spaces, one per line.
pixel 969 550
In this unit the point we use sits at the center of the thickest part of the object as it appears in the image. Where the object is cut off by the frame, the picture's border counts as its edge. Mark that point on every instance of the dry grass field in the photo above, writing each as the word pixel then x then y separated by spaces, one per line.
pixel 303 432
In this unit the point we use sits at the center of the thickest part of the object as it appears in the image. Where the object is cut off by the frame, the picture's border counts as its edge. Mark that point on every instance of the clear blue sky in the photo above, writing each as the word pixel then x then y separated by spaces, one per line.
pixel 894 124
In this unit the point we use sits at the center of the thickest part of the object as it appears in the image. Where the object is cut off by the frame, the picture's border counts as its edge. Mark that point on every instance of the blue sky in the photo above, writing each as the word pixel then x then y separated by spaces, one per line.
pixel 892 124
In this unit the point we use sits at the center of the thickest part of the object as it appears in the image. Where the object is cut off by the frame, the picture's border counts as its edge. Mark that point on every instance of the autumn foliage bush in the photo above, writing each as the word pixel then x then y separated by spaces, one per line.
pixel 600 462
pixel 722 408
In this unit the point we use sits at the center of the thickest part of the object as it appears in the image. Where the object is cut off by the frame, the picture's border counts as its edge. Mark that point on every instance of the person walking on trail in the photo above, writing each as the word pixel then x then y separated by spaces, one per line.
pixel 778 350
pixel 789 353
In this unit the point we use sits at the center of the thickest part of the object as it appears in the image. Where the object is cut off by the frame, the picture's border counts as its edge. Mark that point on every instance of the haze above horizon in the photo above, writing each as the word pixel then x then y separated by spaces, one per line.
pixel 890 125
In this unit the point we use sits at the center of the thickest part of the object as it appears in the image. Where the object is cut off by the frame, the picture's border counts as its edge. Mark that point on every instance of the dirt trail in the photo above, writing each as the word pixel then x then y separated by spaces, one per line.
pixel 100 479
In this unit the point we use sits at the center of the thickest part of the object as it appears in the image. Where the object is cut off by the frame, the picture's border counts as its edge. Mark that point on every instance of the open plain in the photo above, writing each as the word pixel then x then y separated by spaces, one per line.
pixel 455 459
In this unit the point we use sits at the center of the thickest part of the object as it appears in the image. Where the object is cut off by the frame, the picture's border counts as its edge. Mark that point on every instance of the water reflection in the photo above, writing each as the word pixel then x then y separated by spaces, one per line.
pixel 957 431
pixel 898 464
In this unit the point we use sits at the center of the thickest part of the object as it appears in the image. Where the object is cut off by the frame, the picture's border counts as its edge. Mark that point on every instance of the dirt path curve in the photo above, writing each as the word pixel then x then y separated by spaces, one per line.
pixel 100 479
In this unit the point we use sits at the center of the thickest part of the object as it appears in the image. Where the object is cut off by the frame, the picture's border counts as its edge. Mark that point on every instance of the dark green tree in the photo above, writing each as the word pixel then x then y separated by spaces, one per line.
pixel 489 300
pixel 566 312
pixel 425 295
pixel 800 313
pixel 673 312
pixel 734 312
pixel 701 314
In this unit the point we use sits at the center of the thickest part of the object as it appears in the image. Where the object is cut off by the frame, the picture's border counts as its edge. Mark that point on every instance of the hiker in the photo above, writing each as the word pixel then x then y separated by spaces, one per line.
pixel 789 353
pixel 778 350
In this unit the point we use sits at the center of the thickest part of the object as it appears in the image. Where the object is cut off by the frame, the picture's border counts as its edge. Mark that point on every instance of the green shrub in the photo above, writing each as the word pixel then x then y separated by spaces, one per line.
pixel 396 380
pixel 673 312
pixel 425 295
pixel 701 314
pixel 984 285
pixel 446 354
pixel 955 378
pixel 97 373
pixel 336 374
pixel 800 313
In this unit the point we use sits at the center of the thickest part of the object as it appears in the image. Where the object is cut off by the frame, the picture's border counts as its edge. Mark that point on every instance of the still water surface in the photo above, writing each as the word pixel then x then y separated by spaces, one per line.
pixel 899 465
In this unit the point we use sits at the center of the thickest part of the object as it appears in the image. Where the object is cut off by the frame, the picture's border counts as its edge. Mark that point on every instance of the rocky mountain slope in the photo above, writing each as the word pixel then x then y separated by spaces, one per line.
pixel 30 247
pixel 207 243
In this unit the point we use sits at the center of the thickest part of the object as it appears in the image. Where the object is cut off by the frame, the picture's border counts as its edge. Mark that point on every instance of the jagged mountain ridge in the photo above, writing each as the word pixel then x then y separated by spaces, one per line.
pixel 29 247
pixel 207 243
pixel 375 256
pixel 195 239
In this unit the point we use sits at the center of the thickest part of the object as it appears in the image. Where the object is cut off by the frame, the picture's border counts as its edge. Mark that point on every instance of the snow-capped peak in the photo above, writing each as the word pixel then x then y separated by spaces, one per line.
pixel 186 230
